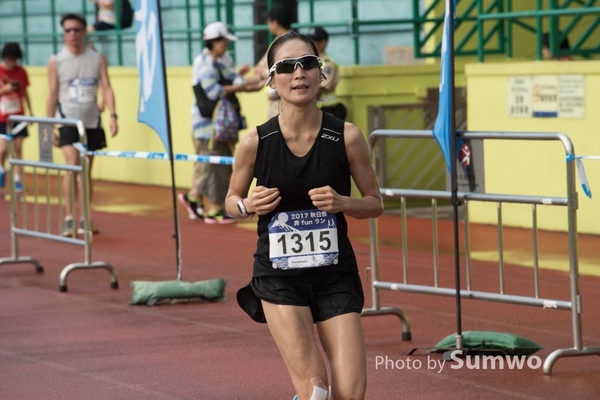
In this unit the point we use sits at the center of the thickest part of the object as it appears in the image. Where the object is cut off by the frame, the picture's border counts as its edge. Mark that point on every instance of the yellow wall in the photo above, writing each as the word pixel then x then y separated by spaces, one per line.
pixel 533 167
pixel 135 136
pixel 522 168
pixel 359 88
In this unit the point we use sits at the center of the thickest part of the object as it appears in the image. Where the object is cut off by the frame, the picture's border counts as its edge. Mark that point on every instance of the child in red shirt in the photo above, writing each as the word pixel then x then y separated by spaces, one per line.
pixel 13 94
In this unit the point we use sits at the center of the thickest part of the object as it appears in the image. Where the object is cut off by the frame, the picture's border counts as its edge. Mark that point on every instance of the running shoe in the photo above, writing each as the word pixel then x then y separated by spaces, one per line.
pixel 193 208
pixel 219 217
pixel 81 229
pixel 68 230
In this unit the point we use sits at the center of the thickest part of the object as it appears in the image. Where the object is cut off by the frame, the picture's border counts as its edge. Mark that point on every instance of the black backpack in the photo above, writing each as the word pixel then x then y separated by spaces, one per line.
pixel 126 14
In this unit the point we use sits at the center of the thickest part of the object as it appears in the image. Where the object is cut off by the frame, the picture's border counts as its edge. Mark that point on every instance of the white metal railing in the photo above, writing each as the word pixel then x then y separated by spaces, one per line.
pixel 570 202
pixel 42 205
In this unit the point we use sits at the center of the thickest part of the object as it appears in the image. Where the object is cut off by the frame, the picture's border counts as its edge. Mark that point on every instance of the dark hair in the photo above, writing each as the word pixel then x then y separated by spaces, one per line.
pixel 73 16
pixel 282 14
pixel 317 33
pixel 564 45
pixel 210 43
pixel 286 38
pixel 12 50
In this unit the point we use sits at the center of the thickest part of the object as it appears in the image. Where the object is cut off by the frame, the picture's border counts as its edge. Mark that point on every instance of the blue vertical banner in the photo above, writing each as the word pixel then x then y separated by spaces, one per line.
pixel 153 107
pixel 443 130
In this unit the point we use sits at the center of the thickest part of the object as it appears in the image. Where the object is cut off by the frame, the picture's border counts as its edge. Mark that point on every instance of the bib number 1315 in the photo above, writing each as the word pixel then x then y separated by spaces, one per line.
pixel 303 239
pixel 297 243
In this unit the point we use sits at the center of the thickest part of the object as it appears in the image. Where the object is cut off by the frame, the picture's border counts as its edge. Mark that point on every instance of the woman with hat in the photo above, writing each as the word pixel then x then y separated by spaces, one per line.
pixel 214 77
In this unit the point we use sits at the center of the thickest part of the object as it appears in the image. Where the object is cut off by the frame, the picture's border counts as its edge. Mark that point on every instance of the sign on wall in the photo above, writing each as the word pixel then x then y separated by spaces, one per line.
pixel 45 142
pixel 546 96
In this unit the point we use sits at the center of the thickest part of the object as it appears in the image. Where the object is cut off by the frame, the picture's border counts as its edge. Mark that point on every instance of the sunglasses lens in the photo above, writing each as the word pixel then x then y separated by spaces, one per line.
pixel 310 62
pixel 288 66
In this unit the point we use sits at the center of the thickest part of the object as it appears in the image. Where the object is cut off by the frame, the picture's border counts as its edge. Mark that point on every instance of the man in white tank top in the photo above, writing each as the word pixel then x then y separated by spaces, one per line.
pixel 75 75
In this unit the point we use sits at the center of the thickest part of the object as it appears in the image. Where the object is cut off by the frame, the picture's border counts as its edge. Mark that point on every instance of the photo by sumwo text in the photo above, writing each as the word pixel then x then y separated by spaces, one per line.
pixel 458 361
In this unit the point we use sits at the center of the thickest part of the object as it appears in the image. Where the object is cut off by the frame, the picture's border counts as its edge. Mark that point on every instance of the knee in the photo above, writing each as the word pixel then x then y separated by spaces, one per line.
pixel 354 392
pixel 75 176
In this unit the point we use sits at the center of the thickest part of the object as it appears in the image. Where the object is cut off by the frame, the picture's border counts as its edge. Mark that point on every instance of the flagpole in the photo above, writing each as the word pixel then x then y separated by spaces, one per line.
pixel 453 174
pixel 176 235
pixel 154 111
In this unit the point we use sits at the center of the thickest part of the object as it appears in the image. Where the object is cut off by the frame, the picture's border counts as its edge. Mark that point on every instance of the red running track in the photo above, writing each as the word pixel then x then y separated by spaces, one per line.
pixel 89 343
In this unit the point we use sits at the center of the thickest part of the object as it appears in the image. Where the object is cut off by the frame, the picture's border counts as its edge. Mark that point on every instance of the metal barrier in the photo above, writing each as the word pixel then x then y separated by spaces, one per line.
pixel 570 202
pixel 36 231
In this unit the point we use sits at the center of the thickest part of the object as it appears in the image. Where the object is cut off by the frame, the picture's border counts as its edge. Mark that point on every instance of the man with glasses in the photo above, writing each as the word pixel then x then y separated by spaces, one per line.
pixel 75 75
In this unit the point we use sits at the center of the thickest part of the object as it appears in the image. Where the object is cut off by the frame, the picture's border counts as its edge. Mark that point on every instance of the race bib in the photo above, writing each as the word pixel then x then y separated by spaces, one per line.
pixel 83 90
pixel 10 105
pixel 303 239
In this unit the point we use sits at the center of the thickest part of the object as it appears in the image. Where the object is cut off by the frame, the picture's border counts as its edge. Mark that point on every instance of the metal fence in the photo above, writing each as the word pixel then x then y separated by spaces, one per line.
pixel 412 163
pixel 47 219
pixel 569 202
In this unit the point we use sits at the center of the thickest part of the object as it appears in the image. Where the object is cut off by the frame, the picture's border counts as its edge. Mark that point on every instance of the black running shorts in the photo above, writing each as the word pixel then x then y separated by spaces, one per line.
pixel 22 133
pixel 327 294
pixel 96 139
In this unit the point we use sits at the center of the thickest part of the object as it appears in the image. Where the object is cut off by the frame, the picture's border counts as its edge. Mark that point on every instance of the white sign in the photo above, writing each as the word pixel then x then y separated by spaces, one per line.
pixel 571 96
pixel 546 96
pixel 45 142
pixel 519 96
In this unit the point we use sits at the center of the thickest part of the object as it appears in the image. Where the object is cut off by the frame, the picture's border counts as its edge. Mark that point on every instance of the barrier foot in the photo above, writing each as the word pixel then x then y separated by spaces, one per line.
pixel 23 260
pixel 114 283
pixel 406 335
pixel 573 352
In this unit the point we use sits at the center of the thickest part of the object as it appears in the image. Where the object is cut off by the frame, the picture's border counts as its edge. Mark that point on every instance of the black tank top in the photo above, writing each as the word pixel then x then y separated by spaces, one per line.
pixel 276 166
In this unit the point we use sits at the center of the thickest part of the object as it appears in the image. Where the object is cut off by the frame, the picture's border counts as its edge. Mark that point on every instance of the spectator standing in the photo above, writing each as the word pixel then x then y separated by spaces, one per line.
pixel 106 15
pixel 75 75
pixel 328 101
pixel 547 53
pixel 279 22
pixel 14 82
pixel 214 76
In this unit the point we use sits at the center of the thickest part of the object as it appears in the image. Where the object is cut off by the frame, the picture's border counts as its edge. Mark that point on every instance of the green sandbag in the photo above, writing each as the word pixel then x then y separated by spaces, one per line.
pixel 483 342
pixel 150 293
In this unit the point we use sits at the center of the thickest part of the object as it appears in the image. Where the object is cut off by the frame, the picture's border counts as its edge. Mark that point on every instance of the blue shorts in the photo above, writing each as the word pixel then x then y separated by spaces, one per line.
pixel 327 294
pixel 22 133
